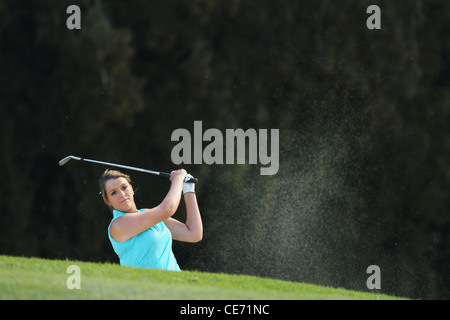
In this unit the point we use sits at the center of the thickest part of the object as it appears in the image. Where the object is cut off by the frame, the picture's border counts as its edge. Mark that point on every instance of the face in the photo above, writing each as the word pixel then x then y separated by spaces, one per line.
pixel 120 195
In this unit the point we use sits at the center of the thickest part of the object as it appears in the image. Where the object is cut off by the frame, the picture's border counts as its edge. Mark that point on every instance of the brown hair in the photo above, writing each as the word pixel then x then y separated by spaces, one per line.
pixel 109 174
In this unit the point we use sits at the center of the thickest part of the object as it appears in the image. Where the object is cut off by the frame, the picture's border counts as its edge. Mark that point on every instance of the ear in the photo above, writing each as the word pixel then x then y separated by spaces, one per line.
pixel 106 200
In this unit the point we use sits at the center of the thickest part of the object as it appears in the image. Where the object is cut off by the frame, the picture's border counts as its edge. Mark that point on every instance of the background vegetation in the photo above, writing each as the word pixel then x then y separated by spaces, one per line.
pixel 363 118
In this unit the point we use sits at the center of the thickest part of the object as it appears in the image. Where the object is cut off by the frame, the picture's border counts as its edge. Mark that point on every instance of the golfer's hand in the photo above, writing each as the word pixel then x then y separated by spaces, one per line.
pixel 188 186
pixel 178 174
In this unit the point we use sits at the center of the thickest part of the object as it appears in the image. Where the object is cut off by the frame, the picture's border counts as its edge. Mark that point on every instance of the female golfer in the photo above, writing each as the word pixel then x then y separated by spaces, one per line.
pixel 143 238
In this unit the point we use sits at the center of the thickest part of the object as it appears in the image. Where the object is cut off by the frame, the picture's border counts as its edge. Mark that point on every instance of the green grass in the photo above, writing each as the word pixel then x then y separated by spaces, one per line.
pixel 33 278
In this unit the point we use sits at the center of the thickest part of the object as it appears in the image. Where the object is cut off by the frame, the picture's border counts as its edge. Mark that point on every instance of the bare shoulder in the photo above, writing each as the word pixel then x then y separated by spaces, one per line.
pixel 118 227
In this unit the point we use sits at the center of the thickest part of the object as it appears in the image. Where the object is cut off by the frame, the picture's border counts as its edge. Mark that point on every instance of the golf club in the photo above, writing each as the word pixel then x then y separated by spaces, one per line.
pixel 162 174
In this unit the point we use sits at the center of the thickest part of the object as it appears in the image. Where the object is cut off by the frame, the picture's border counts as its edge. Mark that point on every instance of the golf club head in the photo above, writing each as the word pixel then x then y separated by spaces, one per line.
pixel 65 160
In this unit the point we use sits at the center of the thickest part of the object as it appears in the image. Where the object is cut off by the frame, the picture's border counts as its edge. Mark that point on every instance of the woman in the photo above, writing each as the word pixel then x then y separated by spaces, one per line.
pixel 143 238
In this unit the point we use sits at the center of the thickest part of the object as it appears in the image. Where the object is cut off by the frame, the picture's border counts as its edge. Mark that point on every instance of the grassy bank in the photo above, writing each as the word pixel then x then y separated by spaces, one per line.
pixel 33 278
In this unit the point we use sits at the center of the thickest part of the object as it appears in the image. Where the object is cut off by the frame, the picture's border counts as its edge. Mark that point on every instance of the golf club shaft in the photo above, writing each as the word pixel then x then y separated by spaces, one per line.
pixel 162 174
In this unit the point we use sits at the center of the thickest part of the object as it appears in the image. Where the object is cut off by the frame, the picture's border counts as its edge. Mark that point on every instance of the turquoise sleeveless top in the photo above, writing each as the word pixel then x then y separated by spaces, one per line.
pixel 149 249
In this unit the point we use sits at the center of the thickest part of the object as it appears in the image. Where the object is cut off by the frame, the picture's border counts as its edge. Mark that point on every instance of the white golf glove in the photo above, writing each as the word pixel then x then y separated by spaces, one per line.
pixel 188 186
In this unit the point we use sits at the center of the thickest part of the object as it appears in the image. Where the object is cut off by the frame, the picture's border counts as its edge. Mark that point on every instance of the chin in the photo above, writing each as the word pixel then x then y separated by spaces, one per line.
pixel 128 209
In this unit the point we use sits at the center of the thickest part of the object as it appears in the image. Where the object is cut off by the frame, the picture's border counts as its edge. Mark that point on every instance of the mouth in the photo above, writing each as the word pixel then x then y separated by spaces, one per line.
pixel 124 200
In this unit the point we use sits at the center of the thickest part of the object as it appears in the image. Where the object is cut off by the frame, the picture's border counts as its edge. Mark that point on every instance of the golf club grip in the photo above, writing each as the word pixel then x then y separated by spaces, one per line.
pixel 167 175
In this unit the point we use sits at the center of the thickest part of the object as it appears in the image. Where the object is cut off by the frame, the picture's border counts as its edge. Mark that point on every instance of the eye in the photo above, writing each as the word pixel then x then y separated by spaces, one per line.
pixel 124 187
pixel 113 193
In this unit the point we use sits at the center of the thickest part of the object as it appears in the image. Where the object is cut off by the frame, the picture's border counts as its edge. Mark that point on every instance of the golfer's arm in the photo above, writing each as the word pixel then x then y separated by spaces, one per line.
pixel 192 230
pixel 132 224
